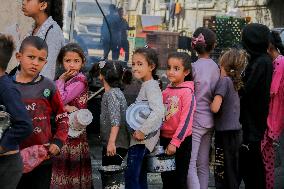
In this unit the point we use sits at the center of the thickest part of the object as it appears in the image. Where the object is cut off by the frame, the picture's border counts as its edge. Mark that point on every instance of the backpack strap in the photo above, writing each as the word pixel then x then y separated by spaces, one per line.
pixel 50 27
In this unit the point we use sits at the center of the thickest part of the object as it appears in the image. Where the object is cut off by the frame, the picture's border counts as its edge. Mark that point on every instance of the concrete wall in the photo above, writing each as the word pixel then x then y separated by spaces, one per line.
pixel 268 12
pixel 11 14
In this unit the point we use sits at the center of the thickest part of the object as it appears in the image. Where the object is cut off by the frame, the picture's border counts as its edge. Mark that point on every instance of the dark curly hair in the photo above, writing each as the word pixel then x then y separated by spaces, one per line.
pixel 234 61
pixel 186 61
pixel 151 57
pixel 112 71
pixel 7 47
pixel 209 37
pixel 54 9
pixel 275 40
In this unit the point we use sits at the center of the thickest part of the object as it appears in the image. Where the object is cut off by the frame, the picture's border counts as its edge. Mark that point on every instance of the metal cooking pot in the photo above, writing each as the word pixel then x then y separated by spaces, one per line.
pixel 4 120
pixel 113 176
pixel 158 161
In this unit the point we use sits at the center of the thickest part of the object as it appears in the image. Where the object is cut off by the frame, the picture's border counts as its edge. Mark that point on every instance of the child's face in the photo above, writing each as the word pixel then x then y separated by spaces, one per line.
pixel 175 71
pixel 32 60
pixel 72 61
pixel 33 7
pixel 141 68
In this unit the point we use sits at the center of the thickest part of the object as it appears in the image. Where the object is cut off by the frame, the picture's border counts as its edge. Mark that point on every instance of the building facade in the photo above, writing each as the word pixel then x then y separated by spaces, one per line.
pixel 268 12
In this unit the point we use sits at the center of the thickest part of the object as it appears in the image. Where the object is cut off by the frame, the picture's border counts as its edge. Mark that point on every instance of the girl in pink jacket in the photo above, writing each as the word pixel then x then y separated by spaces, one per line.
pixel 275 121
pixel 176 130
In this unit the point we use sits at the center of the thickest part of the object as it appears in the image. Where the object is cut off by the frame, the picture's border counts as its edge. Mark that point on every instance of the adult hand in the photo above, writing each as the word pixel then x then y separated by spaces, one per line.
pixel 171 150
pixel 138 135
pixel 111 149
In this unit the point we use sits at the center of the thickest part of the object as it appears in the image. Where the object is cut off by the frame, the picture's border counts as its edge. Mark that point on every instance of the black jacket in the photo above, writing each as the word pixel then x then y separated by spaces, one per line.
pixel 255 94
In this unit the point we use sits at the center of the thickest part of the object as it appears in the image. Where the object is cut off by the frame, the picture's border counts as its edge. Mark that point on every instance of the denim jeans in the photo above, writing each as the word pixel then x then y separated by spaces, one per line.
pixel 136 173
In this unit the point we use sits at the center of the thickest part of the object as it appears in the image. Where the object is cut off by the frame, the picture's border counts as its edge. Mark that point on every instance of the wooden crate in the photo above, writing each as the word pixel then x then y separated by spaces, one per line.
pixel 162 39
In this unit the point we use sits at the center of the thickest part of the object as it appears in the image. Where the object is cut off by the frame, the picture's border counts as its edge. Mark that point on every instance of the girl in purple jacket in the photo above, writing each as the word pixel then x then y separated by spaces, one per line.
pixel 205 75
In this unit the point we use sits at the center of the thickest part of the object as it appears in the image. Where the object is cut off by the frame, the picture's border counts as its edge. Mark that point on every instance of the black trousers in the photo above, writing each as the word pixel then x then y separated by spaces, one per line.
pixel 251 165
pixel 39 178
pixel 178 178
pixel 226 170
pixel 113 160
pixel 11 168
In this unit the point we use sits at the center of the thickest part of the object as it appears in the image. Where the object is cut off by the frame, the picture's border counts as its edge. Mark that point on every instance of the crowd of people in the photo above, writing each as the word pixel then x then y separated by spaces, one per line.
pixel 239 98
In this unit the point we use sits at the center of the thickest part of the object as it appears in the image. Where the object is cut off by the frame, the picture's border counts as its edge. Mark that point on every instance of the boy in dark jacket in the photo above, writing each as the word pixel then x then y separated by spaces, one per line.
pixel 254 101
pixel 20 127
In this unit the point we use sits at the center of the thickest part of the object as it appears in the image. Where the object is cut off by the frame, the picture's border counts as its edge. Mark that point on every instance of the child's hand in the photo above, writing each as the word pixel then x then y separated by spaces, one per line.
pixel 53 149
pixel 70 109
pixel 171 150
pixel 111 149
pixel 67 75
pixel 138 135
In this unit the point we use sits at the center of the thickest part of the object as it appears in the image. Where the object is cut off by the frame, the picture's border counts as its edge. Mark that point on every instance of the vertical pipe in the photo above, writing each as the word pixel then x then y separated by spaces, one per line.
pixel 72 21
pixel 196 14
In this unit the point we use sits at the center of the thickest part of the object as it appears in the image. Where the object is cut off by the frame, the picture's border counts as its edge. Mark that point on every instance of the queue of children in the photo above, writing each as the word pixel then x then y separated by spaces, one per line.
pixel 238 100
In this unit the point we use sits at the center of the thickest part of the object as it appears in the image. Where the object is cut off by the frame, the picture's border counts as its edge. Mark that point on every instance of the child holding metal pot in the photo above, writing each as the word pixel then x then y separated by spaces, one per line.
pixel 176 130
pixel 114 134
pixel 146 135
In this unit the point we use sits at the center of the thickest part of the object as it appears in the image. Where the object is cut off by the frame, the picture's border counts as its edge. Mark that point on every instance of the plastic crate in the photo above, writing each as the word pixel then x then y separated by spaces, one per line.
pixel 228 30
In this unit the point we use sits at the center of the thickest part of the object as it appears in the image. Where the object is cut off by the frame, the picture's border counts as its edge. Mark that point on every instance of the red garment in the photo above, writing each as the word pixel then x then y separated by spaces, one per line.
pixel 72 169
pixel 180 106
pixel 268 155
pixel 275 121
pixel 43 102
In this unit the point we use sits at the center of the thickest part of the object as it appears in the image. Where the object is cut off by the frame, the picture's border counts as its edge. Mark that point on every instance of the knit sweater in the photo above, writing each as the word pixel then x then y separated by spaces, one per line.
pixel 150 91
pixel 43 101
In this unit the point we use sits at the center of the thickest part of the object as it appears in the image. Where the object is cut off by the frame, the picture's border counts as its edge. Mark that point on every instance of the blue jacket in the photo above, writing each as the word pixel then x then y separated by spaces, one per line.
pixel 21 124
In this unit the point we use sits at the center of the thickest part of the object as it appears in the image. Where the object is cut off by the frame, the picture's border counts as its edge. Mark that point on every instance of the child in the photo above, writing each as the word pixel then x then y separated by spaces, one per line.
pixel 176 130
pixel 72 169
pixel 254 103
pixel 274 121
pixel 21 125
pixel 206 75
pixel 144 65
pixel 48 18
pixel 42 101
pixel 114 133
pixel 226 105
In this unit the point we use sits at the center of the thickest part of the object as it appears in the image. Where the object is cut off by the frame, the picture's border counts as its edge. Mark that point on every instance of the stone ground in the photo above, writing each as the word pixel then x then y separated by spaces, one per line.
pixel 154 180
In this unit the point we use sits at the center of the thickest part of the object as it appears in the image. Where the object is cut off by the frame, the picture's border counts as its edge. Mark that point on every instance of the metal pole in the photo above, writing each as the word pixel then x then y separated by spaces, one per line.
pixel 71 34
pixel 196 13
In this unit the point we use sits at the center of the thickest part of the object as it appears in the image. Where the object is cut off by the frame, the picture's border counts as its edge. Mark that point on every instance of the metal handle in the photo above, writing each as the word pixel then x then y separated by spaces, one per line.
pixel 3 108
